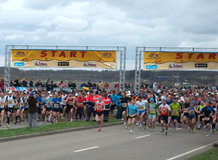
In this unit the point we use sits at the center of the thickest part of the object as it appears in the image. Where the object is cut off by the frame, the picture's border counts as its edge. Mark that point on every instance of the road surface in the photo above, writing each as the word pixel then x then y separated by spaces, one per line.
pixel 113 143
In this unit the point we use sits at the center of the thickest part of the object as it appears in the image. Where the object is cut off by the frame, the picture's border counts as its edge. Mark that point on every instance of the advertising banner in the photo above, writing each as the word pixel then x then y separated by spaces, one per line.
pixel 64 58
pixel 180 60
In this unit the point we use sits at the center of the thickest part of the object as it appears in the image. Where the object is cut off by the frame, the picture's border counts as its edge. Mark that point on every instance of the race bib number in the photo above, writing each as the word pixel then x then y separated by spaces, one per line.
pixel 10 102
pixel 131 115
pixel 191 112
pixel 152 110
pixel 112 103
pixel 43 107
pixel 140 107
pixel 16 106
pixel 80 104
pixel 2 103
pixel 124 105
pixel 207 118
pixel 164 110
pixel 56 106
pixel 175 112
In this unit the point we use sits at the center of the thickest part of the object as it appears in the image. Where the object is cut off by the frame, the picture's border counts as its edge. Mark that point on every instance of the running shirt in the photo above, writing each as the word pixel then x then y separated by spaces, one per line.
pixel 22 104
pixel 107 102
pixel 132 109
pixel 152 108
pixel 63 98
pixel 99 106
pixel 113 98
pixel 200 107
pixel 43 103
pixel 124 101
pixel 2 103
pixel 48 102
pixel 39 99
pixel 141 105
pixel 80 101
pixel 70 101
pixel 207 111
pixel 55 100
pixel 164 109
pixel 191 111
pixel 175 107
pixel 10 101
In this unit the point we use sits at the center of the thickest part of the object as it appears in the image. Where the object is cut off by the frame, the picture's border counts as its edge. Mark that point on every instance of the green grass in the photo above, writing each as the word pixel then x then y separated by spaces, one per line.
pixel 50 127
pixel 211 154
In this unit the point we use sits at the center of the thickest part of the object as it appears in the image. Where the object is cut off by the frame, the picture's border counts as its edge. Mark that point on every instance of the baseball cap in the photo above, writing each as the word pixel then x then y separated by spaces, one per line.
pixel 31 94
pixel 152 99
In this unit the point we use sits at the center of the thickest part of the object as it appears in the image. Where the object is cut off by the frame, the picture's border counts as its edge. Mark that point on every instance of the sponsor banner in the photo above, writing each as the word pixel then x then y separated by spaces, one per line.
pixel 200 65
pixel 176 66
pixel 151 66
pixel 64 58
pixel 181 60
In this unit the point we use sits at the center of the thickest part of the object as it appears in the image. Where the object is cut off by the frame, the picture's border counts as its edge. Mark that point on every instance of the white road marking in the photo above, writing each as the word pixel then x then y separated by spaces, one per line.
pixel 183 154
pixel 85 149
pixel 142 136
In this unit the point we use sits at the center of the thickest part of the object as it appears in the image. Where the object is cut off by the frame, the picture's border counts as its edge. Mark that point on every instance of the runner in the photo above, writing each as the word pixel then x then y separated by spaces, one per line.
pixel 152 112
pixel 113 102
pixel 107 102
pixel 164 110
pixel 80 99
pixel 200 116
pixel 22 105
pixel 175 110
pixel 191 117
pixel 2 108
pixel 124 103
pixel 90 105
pixel 208 112
pixel 185 114
pixel 43 108
pixel 17 107
pixel 70 101
pixel 141 104
pixel 99 108
pixel 56 100
pixel 132 112
pixel 49 108
pixel 214 117
pixel 10 107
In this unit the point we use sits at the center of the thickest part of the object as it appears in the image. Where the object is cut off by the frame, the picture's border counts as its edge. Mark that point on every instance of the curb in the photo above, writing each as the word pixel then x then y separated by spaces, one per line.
pixel 54 132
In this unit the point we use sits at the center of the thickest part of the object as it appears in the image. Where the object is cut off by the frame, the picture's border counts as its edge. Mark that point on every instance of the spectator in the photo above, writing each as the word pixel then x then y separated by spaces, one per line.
pixel 100 84
pixel 24 82
pixel 32 110
pixel 2 84
pixel 31 83
pixel 106 85
pixel 16 82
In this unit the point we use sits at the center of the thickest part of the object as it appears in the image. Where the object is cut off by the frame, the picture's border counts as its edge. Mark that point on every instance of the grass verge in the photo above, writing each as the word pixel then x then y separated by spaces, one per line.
pixel 50 127
pixel 211 154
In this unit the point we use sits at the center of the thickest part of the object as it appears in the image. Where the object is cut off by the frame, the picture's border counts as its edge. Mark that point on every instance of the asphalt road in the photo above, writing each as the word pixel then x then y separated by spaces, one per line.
pixel 113 143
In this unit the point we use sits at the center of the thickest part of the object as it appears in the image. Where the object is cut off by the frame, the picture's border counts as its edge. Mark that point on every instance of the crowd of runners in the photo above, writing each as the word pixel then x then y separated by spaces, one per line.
pixel 192 109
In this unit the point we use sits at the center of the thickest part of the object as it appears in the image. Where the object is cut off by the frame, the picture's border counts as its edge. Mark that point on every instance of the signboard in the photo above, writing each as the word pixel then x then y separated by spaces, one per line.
pixel 180 60
pixel 63 58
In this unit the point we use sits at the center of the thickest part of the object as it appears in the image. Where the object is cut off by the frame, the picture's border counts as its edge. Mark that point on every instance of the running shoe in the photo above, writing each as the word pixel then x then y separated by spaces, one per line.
pixel 166 133
pixel 8 125
pixel 208 135
pixel 162 130
pixel 99 130
pixel 140 126
pixel 130 132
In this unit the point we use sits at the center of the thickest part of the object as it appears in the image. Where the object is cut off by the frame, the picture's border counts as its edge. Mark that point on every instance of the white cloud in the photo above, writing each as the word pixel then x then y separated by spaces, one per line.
pixel 109 22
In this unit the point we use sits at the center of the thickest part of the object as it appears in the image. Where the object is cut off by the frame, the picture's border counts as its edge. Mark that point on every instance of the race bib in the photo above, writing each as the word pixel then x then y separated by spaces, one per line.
pixel 131 115
pixel 56 106
pixel 16 106
pixel 175 112
pixel 2 103
pixel 10 102
pixel 164 110
pixel 191 112
pixel 124 105
pixel 140 107
pixel 152 110
pixel 80 104
pixel 43 107
pixel 207 118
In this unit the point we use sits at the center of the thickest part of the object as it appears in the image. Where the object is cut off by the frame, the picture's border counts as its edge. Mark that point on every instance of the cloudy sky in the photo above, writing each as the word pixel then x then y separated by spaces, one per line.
pixel 169 23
